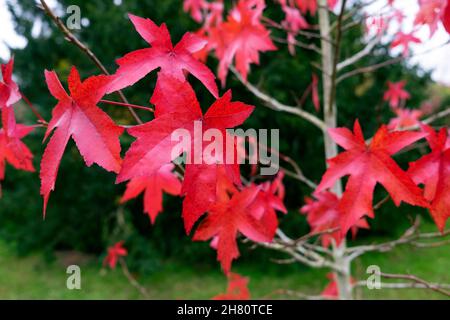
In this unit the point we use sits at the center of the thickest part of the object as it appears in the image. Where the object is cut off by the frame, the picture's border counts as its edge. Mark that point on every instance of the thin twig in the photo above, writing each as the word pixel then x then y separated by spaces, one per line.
pixel 128 105
pixel 33 109
pixel 403 285
pixel 276 105
pixel 359 55
pixel 131 279
pixel 386 63
pixel 416 279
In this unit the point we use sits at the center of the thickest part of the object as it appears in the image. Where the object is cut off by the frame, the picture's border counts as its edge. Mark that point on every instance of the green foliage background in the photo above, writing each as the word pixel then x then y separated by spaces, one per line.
pixel 84 212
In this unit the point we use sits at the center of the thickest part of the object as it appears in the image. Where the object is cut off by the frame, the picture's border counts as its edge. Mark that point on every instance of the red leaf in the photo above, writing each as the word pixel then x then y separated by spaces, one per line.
pixel 226 219
pixel 9 91
pixel 268 200
pixel 433 170
pixel 307 5
pixel 114 253
pixel 406 118
pixel 77 116
pixel 323 214
pixel 195 8
pixel 241 37
pixel 403 40
pixel 162 54
pixel 446 17
pixel 155 145
pixel 367 166
pixel 12 149
pixel 396 93
pixel 430 13
pixel 237 288
pixel 153 187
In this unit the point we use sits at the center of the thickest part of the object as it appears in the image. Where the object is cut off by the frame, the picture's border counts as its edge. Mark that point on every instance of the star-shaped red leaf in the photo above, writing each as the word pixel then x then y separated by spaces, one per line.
pixel 396 93
pixel 226 219
pixel 237 288
pixel 367 166
pixel 173 60
pixel 153 187
pixel 12 149
pixel 433 170
pixel 77 116
pixel 156 144
pixel 9 91
pixel 323 215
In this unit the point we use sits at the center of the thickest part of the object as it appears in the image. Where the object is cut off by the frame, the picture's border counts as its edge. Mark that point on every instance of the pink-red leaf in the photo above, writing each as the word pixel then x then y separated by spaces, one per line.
pixel 173 61
pixel 226 220
pixel 367 166
pixel 153 187
pixel 241 38
pixel 237 288
pixel 115 252
pixel 156 144
pixel 9 91
pixel 396 93
pixel 77 116
pixel 433 171
pixel 12 149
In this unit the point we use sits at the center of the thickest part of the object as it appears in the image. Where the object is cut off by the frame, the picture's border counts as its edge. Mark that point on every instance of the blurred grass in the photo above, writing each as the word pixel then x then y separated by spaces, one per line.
pixel 32 277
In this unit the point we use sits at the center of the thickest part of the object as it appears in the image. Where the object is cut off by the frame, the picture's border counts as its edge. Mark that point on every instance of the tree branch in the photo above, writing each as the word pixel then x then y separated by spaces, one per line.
pixel 359 55
pixel 385 63
pixel 406 285
pixel 410 236
pixel 418 280
pixel 278 106
pixel 131 279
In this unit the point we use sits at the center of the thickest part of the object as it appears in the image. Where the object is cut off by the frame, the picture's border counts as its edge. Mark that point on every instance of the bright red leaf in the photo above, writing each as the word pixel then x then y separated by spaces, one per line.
pixel 153 187
pixel 446 17
pixel 396 93
pixel 156 145
pixel 433 171
pixel 430 13
pixel 195 8
pixel 367 166
pixel 268 201
pixel 241 38
pixel 237 288
pixel 114 253
pixel 77 116
pixel 406 118
pixel 404 40
pixel 323 215
pixel 307 5
pixel 226 219
pixel 173 61
pixel 293 22
pixel 12 149
pixel 9 91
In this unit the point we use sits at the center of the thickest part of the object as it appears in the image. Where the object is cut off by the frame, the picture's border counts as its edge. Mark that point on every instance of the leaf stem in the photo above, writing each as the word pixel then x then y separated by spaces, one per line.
pixel 33 109
pixel 128 105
